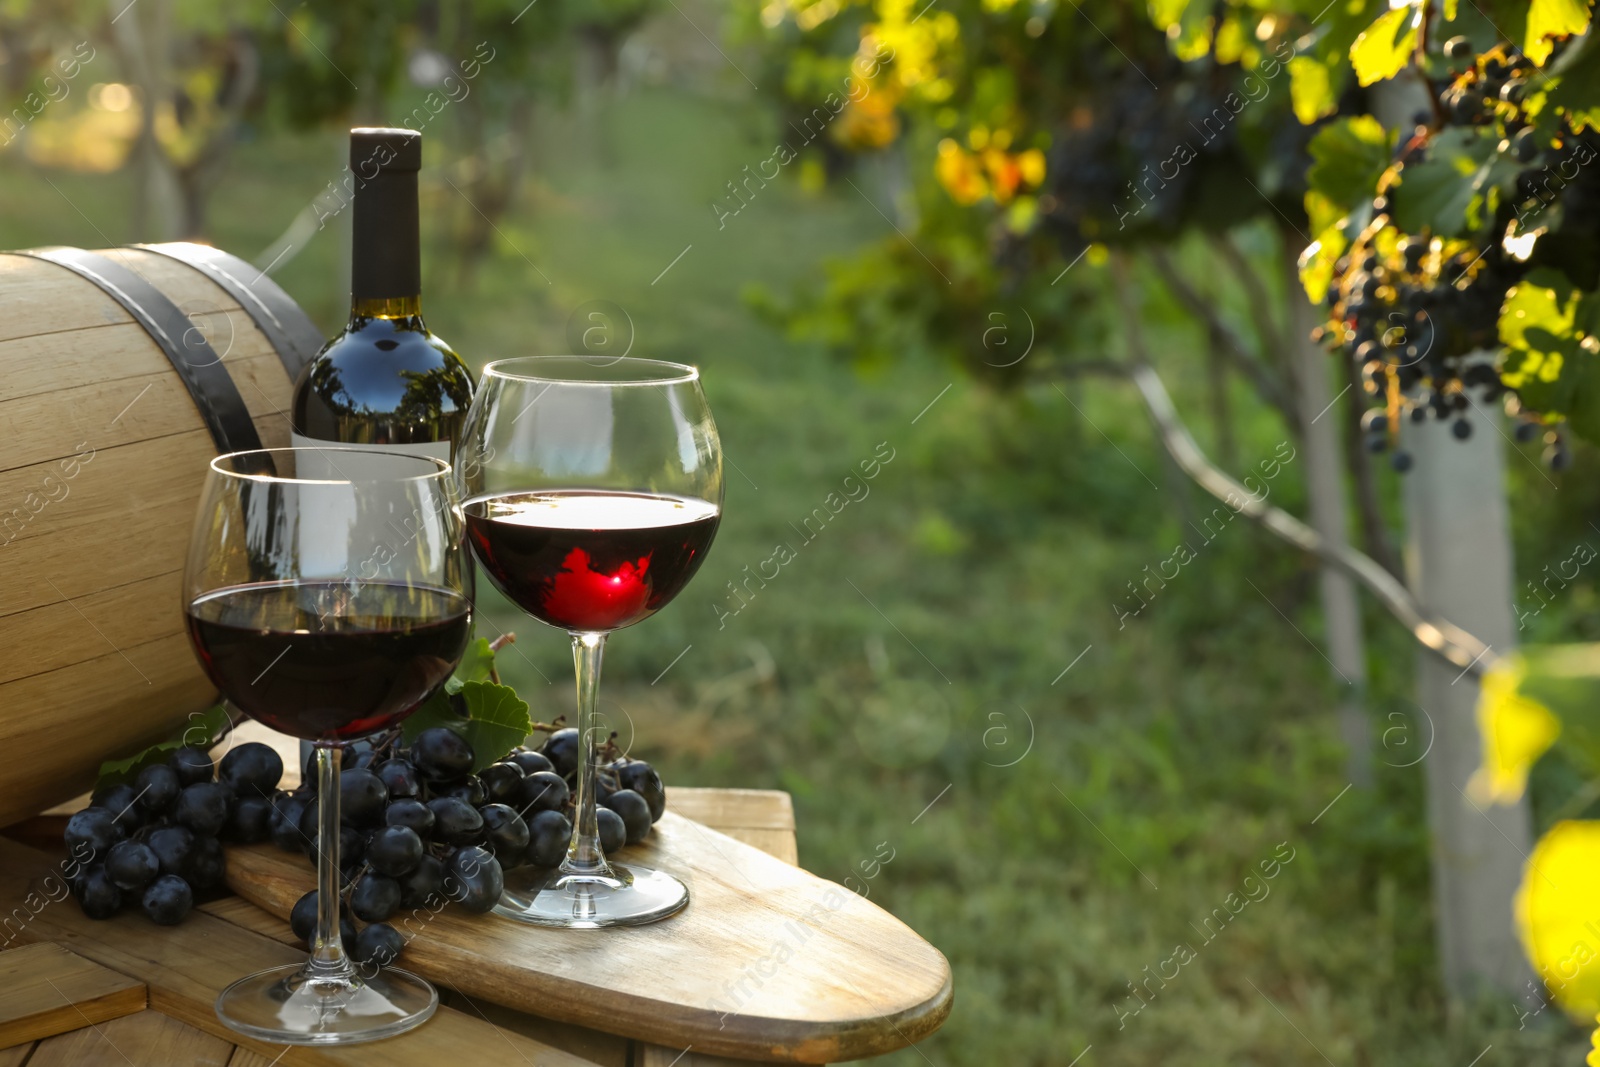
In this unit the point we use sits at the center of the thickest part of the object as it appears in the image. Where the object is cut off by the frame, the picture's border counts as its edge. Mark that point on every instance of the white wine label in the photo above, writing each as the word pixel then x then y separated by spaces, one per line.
pixel 341 537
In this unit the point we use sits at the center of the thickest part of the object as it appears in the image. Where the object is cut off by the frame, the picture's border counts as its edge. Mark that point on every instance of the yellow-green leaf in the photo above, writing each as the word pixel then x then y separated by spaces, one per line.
pixel 1515 729
pixel 1552 356
pixel 1311 89
pixel 1557 915
pixel 1552 18
pixel 1385 47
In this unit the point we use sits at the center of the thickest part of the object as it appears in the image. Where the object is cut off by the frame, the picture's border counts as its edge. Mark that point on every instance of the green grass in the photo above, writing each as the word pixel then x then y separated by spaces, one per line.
pixel 1053 831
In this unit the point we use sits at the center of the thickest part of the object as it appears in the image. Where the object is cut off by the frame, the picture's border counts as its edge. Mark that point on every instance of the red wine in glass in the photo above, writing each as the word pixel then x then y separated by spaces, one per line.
pixel 329 660
pixel 590 560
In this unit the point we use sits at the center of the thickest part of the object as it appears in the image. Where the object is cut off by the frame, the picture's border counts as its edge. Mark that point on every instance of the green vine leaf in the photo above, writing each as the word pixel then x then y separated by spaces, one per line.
pixel 1553 18
pixel 1452 191
pixel 476 666
pixel 204 729
pixel 496 721
pixel 1552 356
pixel 1384 48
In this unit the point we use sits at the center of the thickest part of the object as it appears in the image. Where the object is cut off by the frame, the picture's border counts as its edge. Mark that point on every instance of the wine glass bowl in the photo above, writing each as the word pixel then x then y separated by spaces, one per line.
pixel 592 490
pixel 328 594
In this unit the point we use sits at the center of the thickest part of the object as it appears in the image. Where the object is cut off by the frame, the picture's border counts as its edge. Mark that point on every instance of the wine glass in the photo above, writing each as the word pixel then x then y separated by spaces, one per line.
pixel 592 489
pixel 328 594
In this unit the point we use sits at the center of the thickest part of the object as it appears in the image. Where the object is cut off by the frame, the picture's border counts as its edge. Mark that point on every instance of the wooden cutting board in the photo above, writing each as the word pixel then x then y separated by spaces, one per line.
pixel 767 962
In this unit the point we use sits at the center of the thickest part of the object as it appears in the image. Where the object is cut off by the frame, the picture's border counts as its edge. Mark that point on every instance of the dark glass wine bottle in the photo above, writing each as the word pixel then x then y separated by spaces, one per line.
pixel 384 380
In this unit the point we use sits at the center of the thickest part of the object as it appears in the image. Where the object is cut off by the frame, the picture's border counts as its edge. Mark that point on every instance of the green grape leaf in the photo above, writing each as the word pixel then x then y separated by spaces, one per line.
pixel 1553 18
pixel 1384 48
pixel 1449 192
pixel 475 666
pixel 204 729
pixel 1450 9
pixel 1565 679
pixel 1317 262
pixel 1348 157
pixel 497 720
pixel 1552 358
pixel 1311 89
pixel 1574 85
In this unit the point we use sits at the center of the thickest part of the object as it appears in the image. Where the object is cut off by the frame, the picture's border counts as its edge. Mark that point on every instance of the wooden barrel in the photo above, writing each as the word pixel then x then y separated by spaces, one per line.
pixel 122 372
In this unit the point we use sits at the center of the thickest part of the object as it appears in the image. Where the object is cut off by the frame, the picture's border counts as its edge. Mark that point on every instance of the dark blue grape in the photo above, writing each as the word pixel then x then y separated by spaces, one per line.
pixel 413 813
pixel 168 900
pixel 455 821
pixel 97 894
pixel 441 755
pixel 251 768
pixel 174 849
pixel 544 791
pixel 399 777
pixel 203 807
pixel 191 765
pixel 93 828
pixel 549 833
pixel 503 782
pixel 157 788
pixel 374 898
pixel 132 865
pixel 531 762
pixel 635 813
pixel 613 831
pixel 250 820
pixel 362 797
pixel 422 885
pixel 474 880
pixel 506 834
pixel 378 943
pixel 394 850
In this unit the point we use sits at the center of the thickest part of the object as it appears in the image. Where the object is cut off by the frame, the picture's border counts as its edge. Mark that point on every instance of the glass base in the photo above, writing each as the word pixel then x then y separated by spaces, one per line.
pixel 629 896
pixel 291 1006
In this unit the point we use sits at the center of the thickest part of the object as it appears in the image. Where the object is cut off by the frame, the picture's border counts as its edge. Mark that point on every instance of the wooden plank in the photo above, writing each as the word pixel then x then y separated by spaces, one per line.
pixel 46 990
pixel 604 1050
pixel 767 962
pixel 36 293
pixel 16 1057
pixel 145 1039
pixel 186 966
pixel 125 615
pixel 753 809
pixel 243 1057
pixel 144 691
pixel 658 1056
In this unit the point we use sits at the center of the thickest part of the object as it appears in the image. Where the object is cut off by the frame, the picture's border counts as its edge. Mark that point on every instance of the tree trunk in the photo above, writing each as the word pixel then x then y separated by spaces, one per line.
pixel 1324 473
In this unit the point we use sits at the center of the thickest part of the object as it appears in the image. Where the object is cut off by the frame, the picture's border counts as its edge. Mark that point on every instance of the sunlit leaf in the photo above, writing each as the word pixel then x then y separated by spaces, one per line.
pixel 1558 915
pixel 1311 89
pixel 1385 47
pixel 1553 18
pixel 1552 356
pixel 1516 730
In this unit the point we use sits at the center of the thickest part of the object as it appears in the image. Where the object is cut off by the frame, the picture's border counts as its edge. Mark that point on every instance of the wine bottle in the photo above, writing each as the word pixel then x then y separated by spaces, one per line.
pixel 385 381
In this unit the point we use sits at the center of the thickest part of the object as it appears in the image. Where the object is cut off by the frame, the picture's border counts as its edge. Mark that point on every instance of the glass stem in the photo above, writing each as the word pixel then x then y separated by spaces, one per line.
pixel 327 948
pixel 584 855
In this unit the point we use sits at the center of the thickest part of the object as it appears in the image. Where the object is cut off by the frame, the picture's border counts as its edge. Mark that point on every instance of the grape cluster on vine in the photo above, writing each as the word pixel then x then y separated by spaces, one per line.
pixel 1420 313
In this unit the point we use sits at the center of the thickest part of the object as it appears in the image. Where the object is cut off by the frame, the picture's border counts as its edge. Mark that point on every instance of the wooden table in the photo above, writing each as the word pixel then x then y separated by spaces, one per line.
pixel 73 991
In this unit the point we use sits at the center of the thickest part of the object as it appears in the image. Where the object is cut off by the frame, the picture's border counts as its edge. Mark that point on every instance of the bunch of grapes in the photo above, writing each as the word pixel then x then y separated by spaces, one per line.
pixel 1419 314
pixel 417 827
pixel 156 842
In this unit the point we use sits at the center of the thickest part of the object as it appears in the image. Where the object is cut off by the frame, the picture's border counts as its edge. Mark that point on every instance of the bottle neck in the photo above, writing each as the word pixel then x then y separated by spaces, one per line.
pixel 390 307
pixel 386 274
